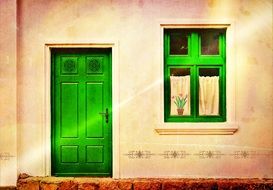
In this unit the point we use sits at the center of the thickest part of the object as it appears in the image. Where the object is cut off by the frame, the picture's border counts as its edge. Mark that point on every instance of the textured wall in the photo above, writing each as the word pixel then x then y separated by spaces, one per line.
pixel 134 24
pixel 8 148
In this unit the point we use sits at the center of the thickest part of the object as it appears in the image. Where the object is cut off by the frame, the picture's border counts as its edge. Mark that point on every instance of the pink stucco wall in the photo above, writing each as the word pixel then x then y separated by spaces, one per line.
pixel 135 26
pixel 8 98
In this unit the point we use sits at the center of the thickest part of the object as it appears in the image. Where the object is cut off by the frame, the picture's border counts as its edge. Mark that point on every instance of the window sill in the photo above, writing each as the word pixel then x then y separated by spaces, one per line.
pixel 197 129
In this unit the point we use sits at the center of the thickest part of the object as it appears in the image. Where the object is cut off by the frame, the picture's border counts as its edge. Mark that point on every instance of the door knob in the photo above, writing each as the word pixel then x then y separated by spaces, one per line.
pixel 106 114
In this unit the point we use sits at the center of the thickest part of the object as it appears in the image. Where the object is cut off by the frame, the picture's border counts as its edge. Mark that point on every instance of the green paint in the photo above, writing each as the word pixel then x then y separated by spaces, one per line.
pixel 81 90
pixel 194 61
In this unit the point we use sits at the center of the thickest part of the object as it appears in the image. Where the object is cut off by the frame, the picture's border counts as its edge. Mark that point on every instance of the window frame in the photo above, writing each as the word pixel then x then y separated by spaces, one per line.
pixel 194 60
pixel 230 126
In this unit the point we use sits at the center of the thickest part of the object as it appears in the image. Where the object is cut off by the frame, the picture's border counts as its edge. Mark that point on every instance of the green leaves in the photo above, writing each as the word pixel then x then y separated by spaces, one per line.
pixel 180 102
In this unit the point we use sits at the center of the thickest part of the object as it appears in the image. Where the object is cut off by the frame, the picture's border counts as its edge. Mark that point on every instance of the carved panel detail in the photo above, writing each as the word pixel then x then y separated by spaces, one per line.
pixel 69 65
pixel 94 65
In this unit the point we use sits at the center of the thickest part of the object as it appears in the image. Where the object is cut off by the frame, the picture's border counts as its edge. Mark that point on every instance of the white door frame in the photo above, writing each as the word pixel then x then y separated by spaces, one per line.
pixel 46 107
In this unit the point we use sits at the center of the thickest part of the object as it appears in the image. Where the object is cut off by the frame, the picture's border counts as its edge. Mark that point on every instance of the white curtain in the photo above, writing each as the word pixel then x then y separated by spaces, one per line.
pixel 209 95
pixel 180 85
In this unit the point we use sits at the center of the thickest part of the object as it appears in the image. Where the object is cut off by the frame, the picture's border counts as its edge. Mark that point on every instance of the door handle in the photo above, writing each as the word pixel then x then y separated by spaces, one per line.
pixel 106 114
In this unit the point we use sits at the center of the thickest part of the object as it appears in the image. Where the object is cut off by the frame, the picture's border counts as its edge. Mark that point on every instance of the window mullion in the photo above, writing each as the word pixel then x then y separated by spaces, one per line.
pixel 194 46
pixel 195 54
pixel 194 90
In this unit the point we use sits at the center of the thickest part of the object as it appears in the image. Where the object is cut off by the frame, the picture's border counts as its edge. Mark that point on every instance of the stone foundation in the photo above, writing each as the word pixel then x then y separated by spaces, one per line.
pixel 83 183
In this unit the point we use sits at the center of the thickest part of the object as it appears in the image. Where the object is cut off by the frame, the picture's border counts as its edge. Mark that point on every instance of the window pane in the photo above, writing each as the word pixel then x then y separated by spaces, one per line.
pixel 178 43
pixel 209 72
pixel 209 42
pixel 180 91
pixel 208 91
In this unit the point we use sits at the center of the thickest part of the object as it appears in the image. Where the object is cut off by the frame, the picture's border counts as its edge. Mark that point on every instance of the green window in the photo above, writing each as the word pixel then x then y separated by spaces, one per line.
pixel 195 75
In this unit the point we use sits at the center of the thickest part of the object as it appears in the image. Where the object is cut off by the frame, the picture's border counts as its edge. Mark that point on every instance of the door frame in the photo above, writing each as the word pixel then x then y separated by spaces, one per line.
pixel 47 101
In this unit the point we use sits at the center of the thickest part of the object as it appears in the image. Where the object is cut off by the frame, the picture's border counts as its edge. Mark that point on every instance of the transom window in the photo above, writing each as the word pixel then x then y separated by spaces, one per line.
pixel 195 75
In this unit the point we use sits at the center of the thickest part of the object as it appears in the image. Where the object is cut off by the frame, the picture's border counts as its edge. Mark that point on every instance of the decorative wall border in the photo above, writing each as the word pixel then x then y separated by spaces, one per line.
pixel 6 156
pixel 139 154
pixel 174 154
pixel 201 155
pixel 115 99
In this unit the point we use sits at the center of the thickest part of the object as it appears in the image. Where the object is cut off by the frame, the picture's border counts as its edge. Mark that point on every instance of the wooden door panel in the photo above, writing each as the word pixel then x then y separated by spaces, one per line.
pixel 81 91
pixel 69 113
pixel 94 106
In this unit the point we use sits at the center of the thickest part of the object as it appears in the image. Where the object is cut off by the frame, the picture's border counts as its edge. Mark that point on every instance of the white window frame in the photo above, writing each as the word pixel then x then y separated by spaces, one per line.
pixel 202 128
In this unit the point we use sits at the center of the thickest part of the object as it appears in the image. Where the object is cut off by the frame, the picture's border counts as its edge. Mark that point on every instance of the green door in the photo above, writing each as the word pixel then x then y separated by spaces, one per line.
pixel 81 112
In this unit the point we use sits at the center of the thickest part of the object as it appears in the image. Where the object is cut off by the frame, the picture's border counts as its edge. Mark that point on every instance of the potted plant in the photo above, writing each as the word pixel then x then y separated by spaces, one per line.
pixel 180 102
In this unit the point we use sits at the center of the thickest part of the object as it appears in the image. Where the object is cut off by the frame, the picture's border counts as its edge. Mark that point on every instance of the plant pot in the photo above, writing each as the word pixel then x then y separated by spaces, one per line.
pixel 180 111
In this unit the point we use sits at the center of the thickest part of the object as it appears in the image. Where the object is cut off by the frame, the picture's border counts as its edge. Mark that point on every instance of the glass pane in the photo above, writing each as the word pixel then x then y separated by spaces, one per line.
pixel 210 42
pixel 209 72
pixel 178 43
pixel 180 91
pixel 209 91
